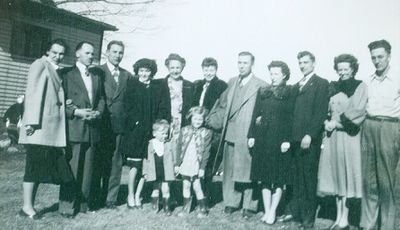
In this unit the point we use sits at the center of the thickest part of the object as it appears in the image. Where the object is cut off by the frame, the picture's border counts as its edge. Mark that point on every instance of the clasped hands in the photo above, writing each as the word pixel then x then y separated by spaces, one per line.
pixel 87 114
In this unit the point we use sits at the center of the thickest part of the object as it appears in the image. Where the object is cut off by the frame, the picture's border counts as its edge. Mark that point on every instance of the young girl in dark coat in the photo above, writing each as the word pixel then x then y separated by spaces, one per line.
pixel 193 151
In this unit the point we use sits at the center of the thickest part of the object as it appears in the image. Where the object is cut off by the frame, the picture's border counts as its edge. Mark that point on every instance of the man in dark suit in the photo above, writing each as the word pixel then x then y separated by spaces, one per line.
pixel 310 112
pixel 85 104
pixel 107 182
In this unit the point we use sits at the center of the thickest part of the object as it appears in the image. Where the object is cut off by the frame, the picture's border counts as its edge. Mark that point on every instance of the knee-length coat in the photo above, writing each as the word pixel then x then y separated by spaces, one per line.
pixel 271 126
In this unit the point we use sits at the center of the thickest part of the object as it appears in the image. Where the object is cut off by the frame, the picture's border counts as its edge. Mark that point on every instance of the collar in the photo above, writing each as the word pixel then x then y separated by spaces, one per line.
pixel 245 80
pixel 384 76
pixel 56 67
pixel 111 67
pixel 82 68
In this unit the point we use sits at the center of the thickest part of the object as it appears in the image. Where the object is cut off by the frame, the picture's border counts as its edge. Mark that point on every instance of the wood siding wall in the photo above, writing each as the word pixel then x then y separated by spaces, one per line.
pixel 14 69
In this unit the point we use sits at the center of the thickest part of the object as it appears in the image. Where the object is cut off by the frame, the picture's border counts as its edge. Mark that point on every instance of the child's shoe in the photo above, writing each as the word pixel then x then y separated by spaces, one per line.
pixel 187 204
pixel 167 207
pixel 202 208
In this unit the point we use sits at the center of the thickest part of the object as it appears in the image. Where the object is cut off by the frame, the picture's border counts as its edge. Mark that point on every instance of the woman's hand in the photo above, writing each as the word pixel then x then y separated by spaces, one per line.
pixel 201 173
pixel 251 142
pixel 285 147
pixel 176 170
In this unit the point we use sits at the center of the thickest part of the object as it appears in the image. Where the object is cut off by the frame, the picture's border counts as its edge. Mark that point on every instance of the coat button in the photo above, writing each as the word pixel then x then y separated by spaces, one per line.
pixel 59 103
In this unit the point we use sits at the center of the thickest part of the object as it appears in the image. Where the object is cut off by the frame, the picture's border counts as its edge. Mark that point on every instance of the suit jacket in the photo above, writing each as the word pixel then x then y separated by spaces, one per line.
pixel 149 164
pixel 75 90
pixel 187 96
pixel 311 109
pixel 213 92
pixel 222 109
pixel 115 110
pixel 203 144
pixel 44 106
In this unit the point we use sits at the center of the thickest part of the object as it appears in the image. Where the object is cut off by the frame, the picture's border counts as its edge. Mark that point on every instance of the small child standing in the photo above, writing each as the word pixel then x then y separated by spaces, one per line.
pixel 159 165
pixel 193 151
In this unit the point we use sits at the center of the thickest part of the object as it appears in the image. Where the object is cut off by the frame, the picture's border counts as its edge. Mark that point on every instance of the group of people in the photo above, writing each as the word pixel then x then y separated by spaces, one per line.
pixel 83 123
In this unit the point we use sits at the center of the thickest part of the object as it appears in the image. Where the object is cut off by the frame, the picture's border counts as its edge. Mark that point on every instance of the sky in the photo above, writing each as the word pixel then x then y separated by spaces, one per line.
pixel 270 29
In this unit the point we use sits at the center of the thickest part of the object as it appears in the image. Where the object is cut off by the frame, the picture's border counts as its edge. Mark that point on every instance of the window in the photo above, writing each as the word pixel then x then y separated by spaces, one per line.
pixel 28 40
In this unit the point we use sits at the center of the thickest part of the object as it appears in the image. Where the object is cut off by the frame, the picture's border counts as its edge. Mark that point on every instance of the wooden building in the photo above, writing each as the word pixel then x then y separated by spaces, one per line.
pixel 26 27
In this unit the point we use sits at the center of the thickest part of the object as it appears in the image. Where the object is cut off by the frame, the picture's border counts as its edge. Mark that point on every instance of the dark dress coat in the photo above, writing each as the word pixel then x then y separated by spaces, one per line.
pixel 311 109
pixel 271 126
pixel 214 91
pixel 187 96
pixel 144 104
pixel 115 113
pixel 75 91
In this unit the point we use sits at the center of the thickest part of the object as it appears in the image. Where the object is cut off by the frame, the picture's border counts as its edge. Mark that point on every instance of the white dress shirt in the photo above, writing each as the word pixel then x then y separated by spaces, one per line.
pixel 114 70
pixel 87 80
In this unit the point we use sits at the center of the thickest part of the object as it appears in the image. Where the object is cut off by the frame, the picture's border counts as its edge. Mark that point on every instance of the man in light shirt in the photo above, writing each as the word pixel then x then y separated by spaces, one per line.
pixel 85 104
pixel 380 141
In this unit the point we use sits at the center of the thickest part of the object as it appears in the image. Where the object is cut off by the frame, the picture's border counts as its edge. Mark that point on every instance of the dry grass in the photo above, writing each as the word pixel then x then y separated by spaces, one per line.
pixel 11 173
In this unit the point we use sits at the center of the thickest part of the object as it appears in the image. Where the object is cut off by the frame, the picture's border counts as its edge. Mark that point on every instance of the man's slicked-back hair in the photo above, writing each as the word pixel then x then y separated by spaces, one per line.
pixel 247 53
pixel 80 44
pixel 306 53
pixel 115 42
pixel 380 44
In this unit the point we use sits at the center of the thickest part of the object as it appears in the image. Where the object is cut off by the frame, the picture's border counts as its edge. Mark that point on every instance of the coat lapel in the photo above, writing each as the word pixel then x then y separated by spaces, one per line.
pixel 122 82
pixel 308 84
pixel 252 89
pixel 55 78
pixel 95 84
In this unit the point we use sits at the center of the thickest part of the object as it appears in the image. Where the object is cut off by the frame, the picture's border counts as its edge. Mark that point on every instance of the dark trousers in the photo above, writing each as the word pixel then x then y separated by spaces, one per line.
pixel 114 181
pixel 304 203
pixel 74 196
pixel 380 141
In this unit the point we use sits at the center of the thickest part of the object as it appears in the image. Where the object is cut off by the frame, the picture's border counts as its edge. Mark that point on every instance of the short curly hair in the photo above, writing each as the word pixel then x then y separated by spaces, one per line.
pixel 200 110
pixel 176 57
pixel 145 63
pixel 284 68
pixel 348 58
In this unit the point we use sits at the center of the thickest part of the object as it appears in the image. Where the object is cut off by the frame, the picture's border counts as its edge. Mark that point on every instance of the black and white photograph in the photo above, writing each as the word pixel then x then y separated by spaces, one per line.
pixel 200 114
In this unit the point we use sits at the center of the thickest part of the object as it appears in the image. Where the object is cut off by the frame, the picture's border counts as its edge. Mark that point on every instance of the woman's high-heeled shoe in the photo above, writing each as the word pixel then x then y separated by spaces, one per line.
pixel 35 216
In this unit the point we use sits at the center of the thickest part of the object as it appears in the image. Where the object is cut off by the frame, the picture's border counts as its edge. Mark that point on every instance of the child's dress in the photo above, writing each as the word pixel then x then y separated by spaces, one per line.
pixel 193 150
pixel 159 165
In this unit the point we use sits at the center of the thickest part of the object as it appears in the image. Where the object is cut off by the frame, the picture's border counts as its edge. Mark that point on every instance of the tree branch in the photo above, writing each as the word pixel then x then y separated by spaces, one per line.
pixel 107 1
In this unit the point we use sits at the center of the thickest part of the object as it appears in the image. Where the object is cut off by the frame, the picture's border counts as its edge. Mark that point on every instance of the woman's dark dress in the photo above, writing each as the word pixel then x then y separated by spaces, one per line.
pixel 274 110
pixel 145 103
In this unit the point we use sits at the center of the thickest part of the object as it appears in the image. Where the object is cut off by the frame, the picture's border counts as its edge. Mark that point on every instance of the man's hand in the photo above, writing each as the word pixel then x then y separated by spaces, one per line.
pixel 176 170
pixel 251 142
pixel 306 142
pixel 285 147
pixel 84 114
pixel 29 130
pixel 94 115
pixel 201 173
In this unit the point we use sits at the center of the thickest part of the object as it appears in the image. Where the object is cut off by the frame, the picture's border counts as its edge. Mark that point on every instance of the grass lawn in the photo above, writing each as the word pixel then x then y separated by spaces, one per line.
pixel 11 173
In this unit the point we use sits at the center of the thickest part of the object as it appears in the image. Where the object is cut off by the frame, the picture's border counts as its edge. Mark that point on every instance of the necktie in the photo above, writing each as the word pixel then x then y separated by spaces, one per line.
pixel 86 72
pixel 203 93
pixel 302 82
pixel 116 75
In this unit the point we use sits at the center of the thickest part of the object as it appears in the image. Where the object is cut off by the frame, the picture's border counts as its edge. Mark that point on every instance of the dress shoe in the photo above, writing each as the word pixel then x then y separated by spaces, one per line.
pixel 110 205
pixel 284 218
pixel 67 215
pixel 229 210
pixel 247 214
pixel 308 226
pixel 35 216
